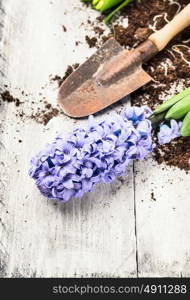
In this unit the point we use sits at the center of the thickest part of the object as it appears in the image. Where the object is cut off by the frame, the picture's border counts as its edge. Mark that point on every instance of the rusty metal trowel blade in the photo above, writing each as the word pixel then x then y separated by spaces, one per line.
pixel 106 77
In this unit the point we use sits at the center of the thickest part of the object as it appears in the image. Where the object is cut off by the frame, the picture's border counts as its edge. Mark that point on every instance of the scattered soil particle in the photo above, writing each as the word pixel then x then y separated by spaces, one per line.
pixel 152 196
pixel 75 66
pixel 98 30
pixel 42 114
pixel 100 18
pixel 43 117
pixel 64 28
pixel 58 79
pixel 17 102
pixel 77 43
pixel 91 41
pixel 48 106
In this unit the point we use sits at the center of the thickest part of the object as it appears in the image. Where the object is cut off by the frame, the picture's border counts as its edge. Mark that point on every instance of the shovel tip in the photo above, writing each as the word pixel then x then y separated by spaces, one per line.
pixel 69 113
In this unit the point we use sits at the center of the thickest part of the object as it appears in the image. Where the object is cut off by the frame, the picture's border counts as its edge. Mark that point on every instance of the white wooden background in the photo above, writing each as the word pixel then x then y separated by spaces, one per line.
pixel 117 230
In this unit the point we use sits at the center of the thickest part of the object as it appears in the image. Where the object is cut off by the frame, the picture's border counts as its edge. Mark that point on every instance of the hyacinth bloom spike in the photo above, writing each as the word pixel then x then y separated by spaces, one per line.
pixel 72 165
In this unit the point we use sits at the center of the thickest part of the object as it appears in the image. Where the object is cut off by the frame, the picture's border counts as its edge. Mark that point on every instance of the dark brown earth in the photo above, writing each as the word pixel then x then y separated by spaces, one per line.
pixel 45 112
pixel 91 41
pixel 44 116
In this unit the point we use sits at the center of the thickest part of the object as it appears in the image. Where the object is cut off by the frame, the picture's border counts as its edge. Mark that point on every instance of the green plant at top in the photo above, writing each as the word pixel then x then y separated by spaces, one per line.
pixel 177 108
pixel 103 5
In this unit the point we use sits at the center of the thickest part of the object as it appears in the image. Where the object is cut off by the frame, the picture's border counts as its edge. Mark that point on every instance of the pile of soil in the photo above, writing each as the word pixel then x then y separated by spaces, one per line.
pixel 7 97
pixel 91 41
pixel 44 116
pixel 45 111
pixel 175 154
pixel 68 72
pixel 169 67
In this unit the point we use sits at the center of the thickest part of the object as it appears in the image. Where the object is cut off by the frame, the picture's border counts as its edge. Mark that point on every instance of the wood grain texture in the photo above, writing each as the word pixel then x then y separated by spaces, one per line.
pixel 108 233
pixel 94 236
pixel 162 220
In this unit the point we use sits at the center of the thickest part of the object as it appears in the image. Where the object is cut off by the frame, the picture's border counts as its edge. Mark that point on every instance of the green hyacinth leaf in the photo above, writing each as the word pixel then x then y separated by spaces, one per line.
pixel 185 129
pixel 169 103
pixel 94 2
pixel 180 109
pixel 103 5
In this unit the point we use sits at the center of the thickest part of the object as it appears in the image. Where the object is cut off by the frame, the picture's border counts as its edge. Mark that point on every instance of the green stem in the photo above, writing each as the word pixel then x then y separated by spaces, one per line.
pixel 122 5
pixel 157 119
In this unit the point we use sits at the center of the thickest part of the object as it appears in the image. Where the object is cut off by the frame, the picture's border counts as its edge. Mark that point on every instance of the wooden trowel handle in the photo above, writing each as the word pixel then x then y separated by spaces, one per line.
pixel 162 37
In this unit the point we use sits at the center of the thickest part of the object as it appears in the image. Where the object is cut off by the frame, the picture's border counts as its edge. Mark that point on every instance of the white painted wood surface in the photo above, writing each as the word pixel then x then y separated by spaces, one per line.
pixel 117 230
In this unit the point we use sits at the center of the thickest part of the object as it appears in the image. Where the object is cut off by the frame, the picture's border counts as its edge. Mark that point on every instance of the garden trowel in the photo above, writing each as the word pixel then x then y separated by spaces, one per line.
pixel 113 72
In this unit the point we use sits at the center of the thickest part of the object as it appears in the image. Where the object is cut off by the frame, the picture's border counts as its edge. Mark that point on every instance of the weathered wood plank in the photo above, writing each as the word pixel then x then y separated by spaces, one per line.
pixel 163 228
pixel 94 236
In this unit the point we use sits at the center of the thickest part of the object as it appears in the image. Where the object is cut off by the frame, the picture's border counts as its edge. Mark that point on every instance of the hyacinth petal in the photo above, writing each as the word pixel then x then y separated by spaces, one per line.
pixel 147 111
pixel 70 167
pixel 108 177
pixel 68 184
pixel 141 152
pixel 139 113
pixel 144 127
pixel 128 113
pixel 167 133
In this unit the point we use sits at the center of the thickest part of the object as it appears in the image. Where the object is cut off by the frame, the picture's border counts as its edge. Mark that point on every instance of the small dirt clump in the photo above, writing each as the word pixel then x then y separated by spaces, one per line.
pixel 91 41
pixel 70 69
pixel 6 96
